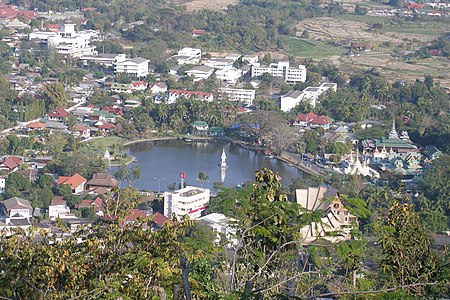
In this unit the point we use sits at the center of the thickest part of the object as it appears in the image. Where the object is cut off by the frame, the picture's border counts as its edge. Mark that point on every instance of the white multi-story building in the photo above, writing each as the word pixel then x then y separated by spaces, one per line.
pixel 189 200
pixel 192 52
pixel 282 69
pixel 68 42
pixel 222 226
pixel 310 94
pixel 137 66
pixel 187 56
pixel 200 72
pixel 251 59
pixel 106 59
pixel 59 210
pixel 228 75
pixel 219 63
pixel 239 95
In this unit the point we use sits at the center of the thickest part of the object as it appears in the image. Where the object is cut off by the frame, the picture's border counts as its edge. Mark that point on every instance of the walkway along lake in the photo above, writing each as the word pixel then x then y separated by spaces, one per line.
pixel 162 161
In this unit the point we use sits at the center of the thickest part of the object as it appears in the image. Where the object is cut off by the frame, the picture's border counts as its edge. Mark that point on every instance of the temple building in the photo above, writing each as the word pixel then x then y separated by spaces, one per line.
pixel 355 167
pixel 399 144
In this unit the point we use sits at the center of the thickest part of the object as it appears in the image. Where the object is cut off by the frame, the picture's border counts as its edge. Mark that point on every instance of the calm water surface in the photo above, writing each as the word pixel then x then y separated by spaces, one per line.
pixel 162 161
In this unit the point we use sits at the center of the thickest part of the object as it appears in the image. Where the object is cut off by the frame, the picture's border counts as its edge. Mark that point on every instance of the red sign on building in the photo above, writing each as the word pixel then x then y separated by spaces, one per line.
pixel 182 175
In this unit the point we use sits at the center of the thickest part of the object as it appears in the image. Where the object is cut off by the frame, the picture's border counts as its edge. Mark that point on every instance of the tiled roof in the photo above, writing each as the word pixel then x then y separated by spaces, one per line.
pixel 16 203
pixel 320 120
pixel 58 200
pixel 12 162
pixel 306 117
pixel 103 179
pixel 35 125
pixel 59 113
pixel 159 219
pixel 74 181
pixel 107 126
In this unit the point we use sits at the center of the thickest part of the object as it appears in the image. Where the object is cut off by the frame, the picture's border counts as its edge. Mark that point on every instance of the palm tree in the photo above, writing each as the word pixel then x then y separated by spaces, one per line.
pixel 202 177
pixel 163 113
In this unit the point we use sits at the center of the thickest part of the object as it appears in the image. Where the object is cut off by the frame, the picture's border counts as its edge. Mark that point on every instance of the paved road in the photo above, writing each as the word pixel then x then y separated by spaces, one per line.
pixel 306 166
pixel 23 124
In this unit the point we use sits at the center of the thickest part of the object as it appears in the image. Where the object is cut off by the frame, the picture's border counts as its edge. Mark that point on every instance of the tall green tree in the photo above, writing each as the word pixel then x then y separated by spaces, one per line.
pixel 55 96
pixel 407 255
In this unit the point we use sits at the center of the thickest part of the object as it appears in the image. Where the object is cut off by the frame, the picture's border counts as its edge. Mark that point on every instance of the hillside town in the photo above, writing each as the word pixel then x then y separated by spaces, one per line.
pixel 83 94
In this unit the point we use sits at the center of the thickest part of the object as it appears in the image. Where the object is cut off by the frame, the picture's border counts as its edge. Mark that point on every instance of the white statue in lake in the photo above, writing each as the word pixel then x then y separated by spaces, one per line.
pixel 223 159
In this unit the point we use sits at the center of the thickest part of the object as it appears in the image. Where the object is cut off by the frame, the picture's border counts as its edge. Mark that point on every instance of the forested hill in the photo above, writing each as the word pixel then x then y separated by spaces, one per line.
pixel 249 25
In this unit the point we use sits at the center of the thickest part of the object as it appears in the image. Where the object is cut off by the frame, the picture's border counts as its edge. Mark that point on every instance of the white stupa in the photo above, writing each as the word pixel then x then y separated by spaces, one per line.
pixel 393 134
pixel 107 155
pixel 355 167
pixel 223 159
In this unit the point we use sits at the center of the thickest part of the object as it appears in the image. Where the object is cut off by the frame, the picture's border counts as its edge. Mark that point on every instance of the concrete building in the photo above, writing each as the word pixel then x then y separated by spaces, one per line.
pixel 68 41
pixel 282 69
pixel 228 75
pixel 16 208
pixel 193 52
pixel 173 95
pixel 187 56
pixel 239 95
pixel 189 200
pixel 310 94
pixel 219 63
pixel 200 72
pixel 106 59
pixel 137 66
pixel 251 59
pixel 222 226
pixel 58 209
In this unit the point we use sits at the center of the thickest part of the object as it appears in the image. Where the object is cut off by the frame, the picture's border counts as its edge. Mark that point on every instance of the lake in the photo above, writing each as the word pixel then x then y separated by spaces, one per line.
pixel 161 163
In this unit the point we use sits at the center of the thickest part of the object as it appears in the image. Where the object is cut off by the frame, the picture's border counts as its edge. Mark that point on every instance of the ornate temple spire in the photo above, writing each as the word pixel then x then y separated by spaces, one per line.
pixel 405 136
pixel 393 134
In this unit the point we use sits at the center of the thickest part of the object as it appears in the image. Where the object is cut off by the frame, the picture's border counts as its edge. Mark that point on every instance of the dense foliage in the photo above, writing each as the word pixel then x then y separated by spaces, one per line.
pixel 268 260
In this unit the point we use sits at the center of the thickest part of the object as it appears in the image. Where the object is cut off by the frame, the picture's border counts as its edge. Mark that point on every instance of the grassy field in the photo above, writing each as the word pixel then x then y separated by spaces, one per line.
pixel 98 146
pixel 101 144
pixel 299 47
pixel 359 18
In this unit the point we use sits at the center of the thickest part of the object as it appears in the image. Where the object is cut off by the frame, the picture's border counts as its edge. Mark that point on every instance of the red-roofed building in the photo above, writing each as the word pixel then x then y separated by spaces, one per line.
pixel 414 5
pixel 54 27
pixel 9 12
pixel 133 215
pixel 85 9
pixel 35 126
pixel 107 127
pixel 59 115
pixel 321 121
pixel 159 219
pixel 95 204
pixel 58 200
pixel 199 32
pixel 10 164
pixel 76 182
pixel 81 131
pixel 138 86
pixel 115 110
pixel 303 120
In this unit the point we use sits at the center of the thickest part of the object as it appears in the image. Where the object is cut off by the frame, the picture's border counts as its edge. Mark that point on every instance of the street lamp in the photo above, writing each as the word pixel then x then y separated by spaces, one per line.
pixel 159 183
